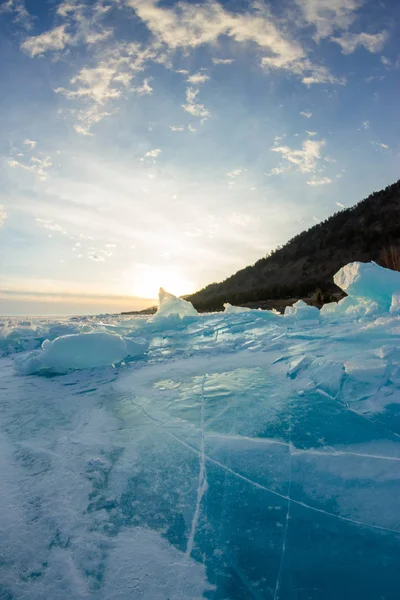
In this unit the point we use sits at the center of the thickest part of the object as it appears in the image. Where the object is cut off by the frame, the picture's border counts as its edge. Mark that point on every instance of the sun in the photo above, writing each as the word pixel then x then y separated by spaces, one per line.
pixel 146 281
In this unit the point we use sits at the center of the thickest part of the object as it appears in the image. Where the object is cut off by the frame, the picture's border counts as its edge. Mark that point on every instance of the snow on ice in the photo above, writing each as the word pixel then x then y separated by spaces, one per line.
pixel 233 456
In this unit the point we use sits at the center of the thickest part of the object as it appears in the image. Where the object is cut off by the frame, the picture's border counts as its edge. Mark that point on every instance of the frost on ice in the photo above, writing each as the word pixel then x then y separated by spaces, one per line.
pixel 231 456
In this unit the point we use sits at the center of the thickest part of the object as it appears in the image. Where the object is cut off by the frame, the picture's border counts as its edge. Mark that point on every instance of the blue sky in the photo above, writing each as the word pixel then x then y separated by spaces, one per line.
pixel 149 143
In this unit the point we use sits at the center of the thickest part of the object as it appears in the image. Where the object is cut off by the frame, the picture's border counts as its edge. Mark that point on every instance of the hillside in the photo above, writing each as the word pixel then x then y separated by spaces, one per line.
pixel 370 230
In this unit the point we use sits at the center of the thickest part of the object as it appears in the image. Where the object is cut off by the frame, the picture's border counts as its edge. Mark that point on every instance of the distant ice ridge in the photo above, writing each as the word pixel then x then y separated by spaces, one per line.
pixel 91 342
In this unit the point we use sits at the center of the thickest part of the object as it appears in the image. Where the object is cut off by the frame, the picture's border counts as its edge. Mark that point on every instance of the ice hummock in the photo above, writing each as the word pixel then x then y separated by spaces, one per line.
pixel 172 306
pixel 369 281
pixel 75 351
pixel 236 455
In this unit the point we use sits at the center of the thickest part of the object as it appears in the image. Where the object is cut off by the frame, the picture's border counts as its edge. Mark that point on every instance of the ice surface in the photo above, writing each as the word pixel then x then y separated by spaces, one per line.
pixel 231 456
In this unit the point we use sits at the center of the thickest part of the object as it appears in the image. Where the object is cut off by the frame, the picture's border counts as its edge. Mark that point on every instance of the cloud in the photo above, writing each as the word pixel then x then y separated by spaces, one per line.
pixel 98 84
pixel 90 116
pixel 55 39
pixel 340 204
pixel 311 133
pixel 306 114
pixel 351 41
pixel 176 128
pixel 30 143
pixel 306 158
pixel 319 74
pixel 235 172
pixel 37 165
pixel 106 82
pixel 277 170
pixel 191 128
pixel 321 181
pixel 241 219
pixel 94 37
pixel 17 7
pixel 85 18
pixel 365 124
pixel 223 61
pixel 328 16
pixel 144 89
pixel 95 257
pixel 151 154
pixel 189 25
pixel 194 108
pixel 380 145
pixel 198 78
pixel 3 215
pixel 51 226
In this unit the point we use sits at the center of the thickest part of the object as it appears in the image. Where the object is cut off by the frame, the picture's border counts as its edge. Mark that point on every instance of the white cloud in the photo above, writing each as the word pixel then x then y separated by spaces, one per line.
pixel 176 128
pixel 187 25
pixel 95 257
pixel 151 154
pixel 235 172
pixel 375 78
pixel 328 16
pixel 85 18
pixel 380 145
pixel 320 181
pixel 194 108
pixel 37 165
pixel 340 204
pixel 3 215
pixel 94 37
pixel 51 226
pixel 106 82
pixel 191 128
pixel 311 133
pixel 241 219
pixel 277 170
pixel 97 84
pixel 319 74
pixel 17 7
pixel 191 94
pixel 198 78
pixel 386 61
pixel 88 117
pixel 191 25
pixel 365 124
pixel 306 158
pixel 144 89
pixel 55 39
pixel 223 61
pixel 30 143
pixel 351 41
pixel 306 114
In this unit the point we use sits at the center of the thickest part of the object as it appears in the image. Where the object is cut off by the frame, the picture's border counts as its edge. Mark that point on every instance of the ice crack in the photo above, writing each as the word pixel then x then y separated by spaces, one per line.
pixel 202 482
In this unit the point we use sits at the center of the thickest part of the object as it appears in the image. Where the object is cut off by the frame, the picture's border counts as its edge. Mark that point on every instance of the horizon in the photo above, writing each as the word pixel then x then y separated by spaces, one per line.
pixel 149 144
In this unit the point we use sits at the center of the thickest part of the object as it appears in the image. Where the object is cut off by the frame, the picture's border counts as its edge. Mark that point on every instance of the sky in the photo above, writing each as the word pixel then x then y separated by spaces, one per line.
pixel 149 143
